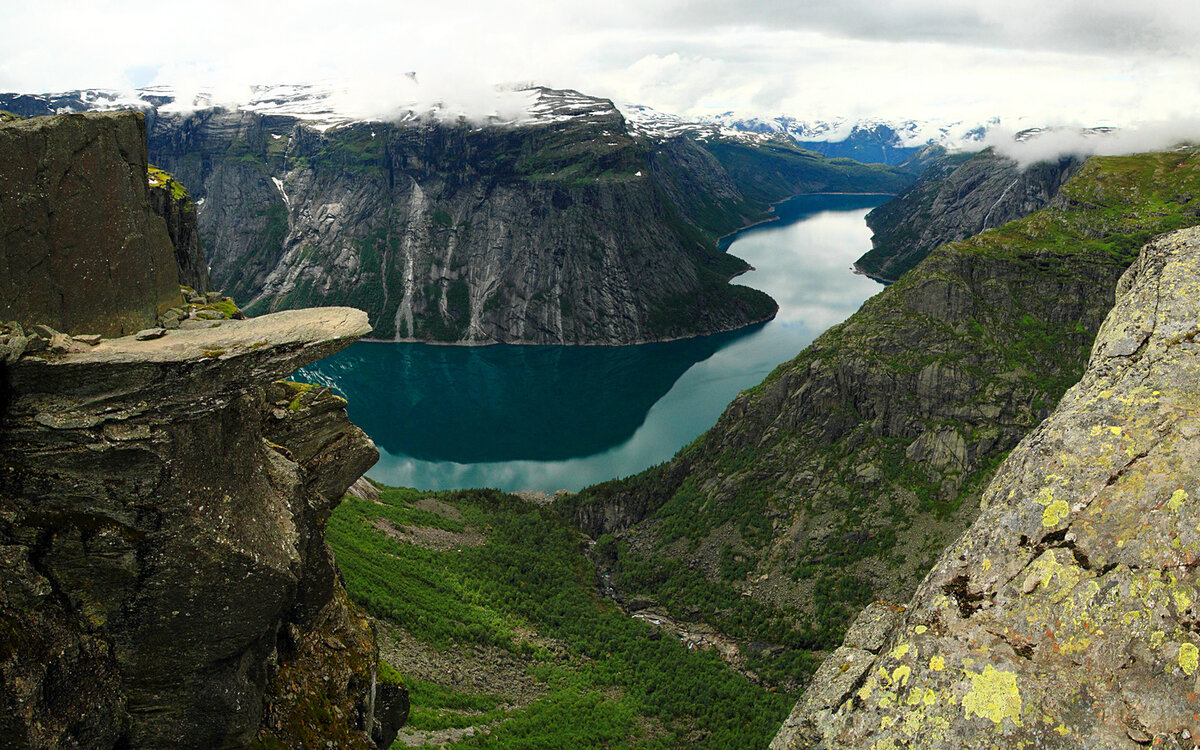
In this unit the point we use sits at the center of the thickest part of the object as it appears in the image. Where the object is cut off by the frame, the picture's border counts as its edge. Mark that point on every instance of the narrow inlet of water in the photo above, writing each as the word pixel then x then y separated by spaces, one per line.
pixel 545 418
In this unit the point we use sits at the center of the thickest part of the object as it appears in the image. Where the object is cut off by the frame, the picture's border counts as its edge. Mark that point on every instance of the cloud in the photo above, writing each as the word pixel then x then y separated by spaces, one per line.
pixel 1053 144
pixel 1053 61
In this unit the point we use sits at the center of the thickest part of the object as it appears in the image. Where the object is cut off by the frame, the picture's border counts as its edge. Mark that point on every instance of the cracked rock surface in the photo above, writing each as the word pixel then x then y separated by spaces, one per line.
pixel 1067 615
pixel 164 578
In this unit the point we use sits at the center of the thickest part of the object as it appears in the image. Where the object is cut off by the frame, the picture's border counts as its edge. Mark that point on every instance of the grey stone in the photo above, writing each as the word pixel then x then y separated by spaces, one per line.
pixel 150 333
pixel 91 339
pixel 179 543
pixel 1064 616
pixel 873 625
pixel 99 259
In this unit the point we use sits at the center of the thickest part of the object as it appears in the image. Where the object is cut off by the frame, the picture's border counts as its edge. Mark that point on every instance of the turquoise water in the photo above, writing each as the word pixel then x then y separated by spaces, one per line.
pixel 554 417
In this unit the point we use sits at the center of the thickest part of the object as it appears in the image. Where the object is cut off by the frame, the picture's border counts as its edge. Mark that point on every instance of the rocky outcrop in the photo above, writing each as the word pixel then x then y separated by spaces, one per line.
pixel 170 200
pixel 164 578
pixel 1065 616
pixel 957 196
pixel 81 250
pixel 162 509
pixel 843 475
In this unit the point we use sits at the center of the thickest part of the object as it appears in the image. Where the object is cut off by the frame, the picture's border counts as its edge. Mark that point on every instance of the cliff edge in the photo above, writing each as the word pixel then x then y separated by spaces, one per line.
pixel 1065 617
pixel 164 576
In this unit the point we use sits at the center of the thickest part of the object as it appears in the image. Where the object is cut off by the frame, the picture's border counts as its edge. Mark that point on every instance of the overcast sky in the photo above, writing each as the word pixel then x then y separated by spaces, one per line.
pixel 1052 61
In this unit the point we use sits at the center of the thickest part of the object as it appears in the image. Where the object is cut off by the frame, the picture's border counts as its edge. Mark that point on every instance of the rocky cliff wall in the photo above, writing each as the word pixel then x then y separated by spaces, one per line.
pixel 170 200
pixel 164 579
pixel 566 225
pixel 81 250
pixel 541 234
pixel 162 509
pixel 957 196
pixel 1065 616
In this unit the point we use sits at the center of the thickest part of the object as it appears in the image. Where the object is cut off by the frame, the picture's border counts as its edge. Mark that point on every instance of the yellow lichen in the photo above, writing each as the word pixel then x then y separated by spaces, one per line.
pixel 900 674
pixel 900 651
pixel 1055 512
pixel 912 723
pixel 1061 729
pixel 986 564
pixel 920 629
pixel 937 663
pixel 1156 638
pixel 1177 498
pixel 1189 655
pixel 929 698
pixel 993 695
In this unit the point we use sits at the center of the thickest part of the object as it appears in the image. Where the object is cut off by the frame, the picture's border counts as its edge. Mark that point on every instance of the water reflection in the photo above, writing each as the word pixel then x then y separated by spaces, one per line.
pixel 548 418
pixel 498 403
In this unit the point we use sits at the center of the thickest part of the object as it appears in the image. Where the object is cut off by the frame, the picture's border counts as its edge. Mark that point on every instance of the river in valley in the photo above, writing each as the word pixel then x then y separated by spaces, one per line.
pixel 545 418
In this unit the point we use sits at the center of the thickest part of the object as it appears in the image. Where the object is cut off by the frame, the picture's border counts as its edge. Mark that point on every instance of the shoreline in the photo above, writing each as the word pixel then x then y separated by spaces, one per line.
pixel 759 321
pixel 857 269
pixel 773 217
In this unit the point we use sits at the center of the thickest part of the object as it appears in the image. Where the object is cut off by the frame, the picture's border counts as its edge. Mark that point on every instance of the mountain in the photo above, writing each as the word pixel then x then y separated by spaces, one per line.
pixel 872 141
pixel 163 496
pixel 841 477
pixel 560 224
pixel 1064 617
pixel 957 196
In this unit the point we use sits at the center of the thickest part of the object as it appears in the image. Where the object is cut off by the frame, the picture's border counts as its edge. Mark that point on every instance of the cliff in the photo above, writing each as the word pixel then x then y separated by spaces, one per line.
pixel 170 200
pixel 80 247
pixel 957 196
pixel 843 475
pixel 166 581
pixel 565 226
pixel 1064 616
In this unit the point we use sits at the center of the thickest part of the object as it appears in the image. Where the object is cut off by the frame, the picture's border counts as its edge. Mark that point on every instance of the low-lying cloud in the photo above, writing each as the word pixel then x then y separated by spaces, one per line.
pixel 1051 144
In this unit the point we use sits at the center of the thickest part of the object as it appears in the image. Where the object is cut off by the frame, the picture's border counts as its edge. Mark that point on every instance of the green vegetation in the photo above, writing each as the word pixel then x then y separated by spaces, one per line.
pixel 160 178
pixel 849 468
pixel 515 579
pixel 360 147
pixel 579 153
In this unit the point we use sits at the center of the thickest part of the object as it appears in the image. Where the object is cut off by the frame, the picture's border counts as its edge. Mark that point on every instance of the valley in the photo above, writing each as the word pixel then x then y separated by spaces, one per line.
pixel 953 507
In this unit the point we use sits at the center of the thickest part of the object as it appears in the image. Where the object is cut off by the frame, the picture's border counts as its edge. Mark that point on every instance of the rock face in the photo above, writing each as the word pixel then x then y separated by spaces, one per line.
pixel 567 226
pixel 843 475
pixel 1065 616
pixel 170 200
pixel 164 578
pixel 455 233
pixel 80 248
pixel 166 570
pixel 957 196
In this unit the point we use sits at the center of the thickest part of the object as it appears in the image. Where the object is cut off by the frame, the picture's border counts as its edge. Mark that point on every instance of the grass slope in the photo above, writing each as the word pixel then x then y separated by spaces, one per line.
pixel 511 577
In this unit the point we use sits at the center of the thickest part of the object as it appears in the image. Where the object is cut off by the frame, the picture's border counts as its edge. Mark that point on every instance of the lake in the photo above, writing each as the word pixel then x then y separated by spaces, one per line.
pixel 546 418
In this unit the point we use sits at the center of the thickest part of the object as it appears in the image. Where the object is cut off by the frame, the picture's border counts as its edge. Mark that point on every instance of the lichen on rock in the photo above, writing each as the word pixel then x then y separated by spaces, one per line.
pixel 1080 630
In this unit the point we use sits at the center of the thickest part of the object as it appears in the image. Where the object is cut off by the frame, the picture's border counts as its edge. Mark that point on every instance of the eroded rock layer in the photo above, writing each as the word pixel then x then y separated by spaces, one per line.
pixel 162 507
pixel 1065 616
